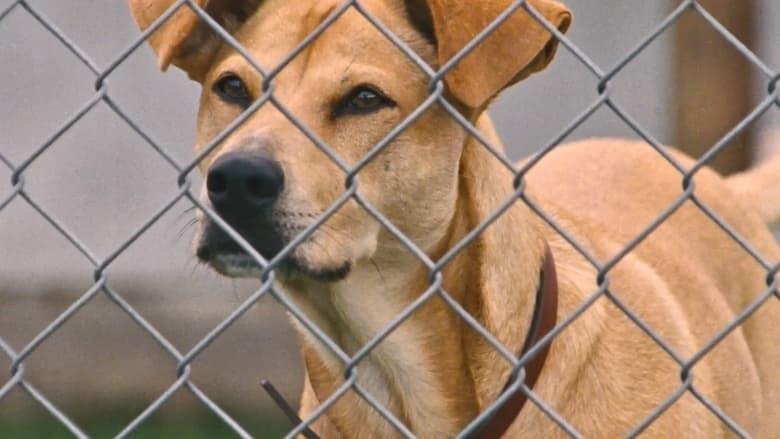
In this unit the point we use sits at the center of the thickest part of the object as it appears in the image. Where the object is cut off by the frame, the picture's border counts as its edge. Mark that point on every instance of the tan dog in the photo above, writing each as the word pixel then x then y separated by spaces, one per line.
pixel 687 281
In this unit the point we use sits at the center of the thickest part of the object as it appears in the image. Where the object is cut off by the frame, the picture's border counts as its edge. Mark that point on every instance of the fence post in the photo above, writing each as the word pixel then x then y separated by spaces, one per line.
pixel 713 82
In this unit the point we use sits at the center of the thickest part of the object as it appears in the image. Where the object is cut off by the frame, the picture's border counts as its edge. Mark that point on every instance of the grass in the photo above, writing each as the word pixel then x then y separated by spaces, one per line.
pixel 108 425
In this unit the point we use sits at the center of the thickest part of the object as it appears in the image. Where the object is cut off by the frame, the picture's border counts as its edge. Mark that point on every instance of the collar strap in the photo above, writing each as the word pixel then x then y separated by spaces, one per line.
pixel 544 320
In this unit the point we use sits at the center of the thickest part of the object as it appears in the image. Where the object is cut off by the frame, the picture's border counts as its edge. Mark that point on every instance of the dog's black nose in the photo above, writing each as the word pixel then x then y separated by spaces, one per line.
pixel 243 183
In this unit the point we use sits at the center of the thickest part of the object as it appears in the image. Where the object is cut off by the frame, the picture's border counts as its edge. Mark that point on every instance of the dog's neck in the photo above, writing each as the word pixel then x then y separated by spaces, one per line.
pixel 433 372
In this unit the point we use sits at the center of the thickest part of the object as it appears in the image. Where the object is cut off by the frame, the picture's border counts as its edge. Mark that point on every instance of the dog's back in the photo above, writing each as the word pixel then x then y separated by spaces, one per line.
pixel 623 187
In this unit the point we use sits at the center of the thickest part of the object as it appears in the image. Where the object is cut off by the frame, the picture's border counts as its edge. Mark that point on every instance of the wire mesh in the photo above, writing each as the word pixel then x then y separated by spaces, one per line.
pixel 437 96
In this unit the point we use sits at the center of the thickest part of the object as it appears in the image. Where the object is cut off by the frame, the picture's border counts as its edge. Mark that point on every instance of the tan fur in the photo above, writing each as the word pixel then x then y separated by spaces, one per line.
pixel 760 187
pixel 687 281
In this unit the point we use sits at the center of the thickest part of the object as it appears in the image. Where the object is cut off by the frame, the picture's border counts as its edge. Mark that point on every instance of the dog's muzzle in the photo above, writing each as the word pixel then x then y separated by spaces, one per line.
pixel 243 188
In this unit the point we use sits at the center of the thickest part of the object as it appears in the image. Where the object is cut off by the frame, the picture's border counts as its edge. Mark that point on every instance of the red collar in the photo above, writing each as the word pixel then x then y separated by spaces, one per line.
pixel 544 320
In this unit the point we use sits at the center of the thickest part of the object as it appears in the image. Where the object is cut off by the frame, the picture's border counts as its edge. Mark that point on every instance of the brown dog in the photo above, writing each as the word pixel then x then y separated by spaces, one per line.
pixel 687 281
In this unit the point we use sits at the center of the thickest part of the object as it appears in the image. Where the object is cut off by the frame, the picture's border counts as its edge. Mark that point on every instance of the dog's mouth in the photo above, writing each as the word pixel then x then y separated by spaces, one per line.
pixel 217 250
pixel 242 265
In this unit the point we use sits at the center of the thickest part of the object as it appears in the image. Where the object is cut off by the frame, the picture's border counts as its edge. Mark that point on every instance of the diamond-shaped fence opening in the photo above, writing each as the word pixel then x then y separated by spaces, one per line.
pixel 27 81
pixel 603 265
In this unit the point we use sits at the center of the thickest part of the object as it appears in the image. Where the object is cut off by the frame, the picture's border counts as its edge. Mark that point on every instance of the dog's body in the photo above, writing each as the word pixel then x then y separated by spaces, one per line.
pixel 687 280
pixel 676 281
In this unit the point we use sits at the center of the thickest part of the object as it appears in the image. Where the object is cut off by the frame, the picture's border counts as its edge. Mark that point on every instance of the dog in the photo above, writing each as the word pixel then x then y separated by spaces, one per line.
pixel 436 183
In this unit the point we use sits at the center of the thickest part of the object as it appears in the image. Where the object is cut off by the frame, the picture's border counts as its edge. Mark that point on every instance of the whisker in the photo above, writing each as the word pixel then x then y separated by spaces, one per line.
pixel 334 234
pixel 185 228
pixel 313 240
pixel 185 212
pixel 376 267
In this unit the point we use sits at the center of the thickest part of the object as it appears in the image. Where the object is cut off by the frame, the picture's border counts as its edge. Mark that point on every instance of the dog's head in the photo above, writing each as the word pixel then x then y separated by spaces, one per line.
pixel 349 88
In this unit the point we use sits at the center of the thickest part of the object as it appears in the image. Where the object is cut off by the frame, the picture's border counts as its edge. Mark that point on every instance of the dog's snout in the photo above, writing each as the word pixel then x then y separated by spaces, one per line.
pixel 244 183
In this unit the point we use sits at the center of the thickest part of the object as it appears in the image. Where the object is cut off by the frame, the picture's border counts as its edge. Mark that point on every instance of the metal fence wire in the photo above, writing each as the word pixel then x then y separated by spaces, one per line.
pixel 101 285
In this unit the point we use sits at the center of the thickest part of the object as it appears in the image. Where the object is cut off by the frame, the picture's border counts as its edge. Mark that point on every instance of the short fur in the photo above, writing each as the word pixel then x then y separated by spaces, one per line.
pixel 687 281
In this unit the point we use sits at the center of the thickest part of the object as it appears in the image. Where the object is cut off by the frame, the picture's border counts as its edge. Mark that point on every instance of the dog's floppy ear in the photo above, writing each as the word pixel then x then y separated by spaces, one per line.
pixel 515 50
pixel 184 39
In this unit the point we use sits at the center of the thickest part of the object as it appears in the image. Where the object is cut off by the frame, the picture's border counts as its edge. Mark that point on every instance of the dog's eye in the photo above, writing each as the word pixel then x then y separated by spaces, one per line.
pixel 231 89
pixel 363 100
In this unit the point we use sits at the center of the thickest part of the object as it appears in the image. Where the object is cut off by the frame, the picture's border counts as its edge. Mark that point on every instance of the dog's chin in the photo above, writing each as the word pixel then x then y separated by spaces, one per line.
pixel 238 265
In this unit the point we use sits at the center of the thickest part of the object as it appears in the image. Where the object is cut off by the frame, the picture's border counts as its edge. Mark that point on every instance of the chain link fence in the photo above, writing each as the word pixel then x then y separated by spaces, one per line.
pixel 186 191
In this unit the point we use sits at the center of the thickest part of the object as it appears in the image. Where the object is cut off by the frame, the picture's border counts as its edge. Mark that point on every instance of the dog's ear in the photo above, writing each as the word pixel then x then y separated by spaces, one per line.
pixel 516 49
pixel 185 40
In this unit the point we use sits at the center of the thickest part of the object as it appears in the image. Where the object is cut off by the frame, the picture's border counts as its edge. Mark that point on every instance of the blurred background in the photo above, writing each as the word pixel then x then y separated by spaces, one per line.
pixel 100 179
